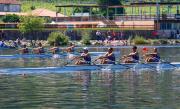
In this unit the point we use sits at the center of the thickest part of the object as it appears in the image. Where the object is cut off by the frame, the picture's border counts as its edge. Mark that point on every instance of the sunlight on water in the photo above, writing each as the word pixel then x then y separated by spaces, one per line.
pixel 104 90
pixel 147 88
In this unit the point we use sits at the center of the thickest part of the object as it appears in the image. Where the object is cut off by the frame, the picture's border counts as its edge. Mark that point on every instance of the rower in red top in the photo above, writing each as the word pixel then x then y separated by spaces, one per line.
pixel 133 57
pixel 39 49
pixel 152 57
pixel 108 58
pixel 85 58
pixel 24 50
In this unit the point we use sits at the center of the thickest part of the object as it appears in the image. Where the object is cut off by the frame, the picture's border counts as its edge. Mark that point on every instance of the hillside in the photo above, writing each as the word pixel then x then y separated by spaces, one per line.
pixel 50 4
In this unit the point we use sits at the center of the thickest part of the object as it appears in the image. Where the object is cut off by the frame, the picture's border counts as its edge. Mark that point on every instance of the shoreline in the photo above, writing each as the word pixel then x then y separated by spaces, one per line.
pixel 115 43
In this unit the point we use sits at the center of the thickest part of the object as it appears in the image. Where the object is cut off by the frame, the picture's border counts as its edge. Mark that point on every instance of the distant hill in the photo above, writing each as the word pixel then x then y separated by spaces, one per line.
pixel 29 5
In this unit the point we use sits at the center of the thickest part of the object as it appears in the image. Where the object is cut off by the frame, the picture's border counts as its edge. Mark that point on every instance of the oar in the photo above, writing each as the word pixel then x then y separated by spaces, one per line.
pixel 93 62
pixel 166 62
pixel 71 60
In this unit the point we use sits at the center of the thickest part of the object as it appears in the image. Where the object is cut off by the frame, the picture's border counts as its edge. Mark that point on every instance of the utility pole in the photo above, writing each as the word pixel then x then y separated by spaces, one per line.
pixel 157 14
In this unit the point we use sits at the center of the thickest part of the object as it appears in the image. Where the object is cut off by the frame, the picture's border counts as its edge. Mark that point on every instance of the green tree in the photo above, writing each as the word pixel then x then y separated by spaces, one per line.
pixel 86 37
pixel 58 38
pixel 110 3
pixel 30 24
pixel 11 18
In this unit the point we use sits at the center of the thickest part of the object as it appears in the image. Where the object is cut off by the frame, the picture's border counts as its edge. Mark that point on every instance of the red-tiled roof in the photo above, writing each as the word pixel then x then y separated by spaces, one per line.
pixel 36 12
pixel 46 12
pixel 9 2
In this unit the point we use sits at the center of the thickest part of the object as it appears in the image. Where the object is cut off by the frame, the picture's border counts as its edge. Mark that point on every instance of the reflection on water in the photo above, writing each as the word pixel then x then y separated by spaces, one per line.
pixel 106 89
pixel 92 90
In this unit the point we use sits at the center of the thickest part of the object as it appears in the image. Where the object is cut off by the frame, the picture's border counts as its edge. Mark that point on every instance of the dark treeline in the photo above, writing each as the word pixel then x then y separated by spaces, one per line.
pixel 94 1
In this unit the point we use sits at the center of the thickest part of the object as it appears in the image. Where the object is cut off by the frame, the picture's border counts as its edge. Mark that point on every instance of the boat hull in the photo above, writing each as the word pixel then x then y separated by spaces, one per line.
pixel 70 68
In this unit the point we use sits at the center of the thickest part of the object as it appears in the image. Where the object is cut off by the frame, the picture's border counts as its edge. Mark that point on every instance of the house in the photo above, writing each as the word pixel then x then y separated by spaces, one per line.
pixel 10 6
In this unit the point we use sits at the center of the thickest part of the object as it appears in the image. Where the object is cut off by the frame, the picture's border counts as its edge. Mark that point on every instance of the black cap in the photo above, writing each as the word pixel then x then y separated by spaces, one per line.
pixel 134 47
pixel 110 48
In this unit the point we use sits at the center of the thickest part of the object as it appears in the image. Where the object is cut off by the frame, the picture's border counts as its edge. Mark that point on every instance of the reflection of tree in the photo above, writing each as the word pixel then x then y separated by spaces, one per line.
pixel 84 78
pixel 166 92
pixel 108 85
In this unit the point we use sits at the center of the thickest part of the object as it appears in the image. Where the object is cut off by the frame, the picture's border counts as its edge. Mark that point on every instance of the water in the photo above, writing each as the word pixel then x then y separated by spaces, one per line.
pixel 106 89
pixel 94 90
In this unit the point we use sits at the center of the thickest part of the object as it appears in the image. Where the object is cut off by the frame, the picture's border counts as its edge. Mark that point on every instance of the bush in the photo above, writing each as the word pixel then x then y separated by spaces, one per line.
pixel 138 40
pixel 86 38
pixel 163 41
pixel 33 7
pixel 11 18
pixel 58 38
pixel 155 42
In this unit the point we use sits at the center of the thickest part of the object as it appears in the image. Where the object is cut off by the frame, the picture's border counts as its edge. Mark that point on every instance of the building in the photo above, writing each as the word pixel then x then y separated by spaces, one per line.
pixel 10 6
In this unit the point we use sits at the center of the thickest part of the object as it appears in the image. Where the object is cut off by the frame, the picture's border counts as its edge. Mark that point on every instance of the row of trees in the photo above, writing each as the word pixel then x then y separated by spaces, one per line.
pixel 32 24
pixel 26 23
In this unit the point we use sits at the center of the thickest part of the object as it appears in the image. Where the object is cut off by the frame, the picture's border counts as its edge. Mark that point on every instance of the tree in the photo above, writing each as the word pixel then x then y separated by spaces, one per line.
pixel 58 38
pixel 11 18
pixel 110 3
pixel 30 24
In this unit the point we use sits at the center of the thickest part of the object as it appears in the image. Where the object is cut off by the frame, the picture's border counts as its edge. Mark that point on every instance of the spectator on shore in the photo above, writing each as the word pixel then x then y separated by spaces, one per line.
pixel 98 35
pixel 177 34
pixel 18 41
pixel 2 44
pixel 172 35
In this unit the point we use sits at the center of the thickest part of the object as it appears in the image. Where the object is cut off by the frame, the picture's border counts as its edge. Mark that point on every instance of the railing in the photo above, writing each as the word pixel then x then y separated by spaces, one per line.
pixel 145 17
pixel 117 18
pixel 88 26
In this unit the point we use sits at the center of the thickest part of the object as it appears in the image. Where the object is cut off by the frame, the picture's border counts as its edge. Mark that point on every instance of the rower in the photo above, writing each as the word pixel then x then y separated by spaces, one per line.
pixel 39 49
pixel 133 57
pixel 85 56
pixel 108 58
pixel 24 50
pixel 70 48
pixel 152 57
pixel 55 49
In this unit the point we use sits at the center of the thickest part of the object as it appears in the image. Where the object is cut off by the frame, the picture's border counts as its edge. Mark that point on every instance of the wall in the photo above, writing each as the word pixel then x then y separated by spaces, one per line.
pixel 74 35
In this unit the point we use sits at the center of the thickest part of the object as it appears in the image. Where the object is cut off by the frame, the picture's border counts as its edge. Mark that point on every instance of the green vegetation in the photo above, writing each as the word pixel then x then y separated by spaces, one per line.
pixel 112 11
pixel 30 24
pixel 58 38
pixel 11 18
pixel 86 37
pixel 28 6
pixel 139 40
pixel 163 41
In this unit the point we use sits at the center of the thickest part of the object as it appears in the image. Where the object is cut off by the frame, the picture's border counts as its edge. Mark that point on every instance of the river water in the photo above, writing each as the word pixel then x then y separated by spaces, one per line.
pixel 106 89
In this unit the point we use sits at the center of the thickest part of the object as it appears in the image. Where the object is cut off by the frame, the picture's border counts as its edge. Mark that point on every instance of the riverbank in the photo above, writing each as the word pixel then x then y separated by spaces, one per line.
pixel 150 42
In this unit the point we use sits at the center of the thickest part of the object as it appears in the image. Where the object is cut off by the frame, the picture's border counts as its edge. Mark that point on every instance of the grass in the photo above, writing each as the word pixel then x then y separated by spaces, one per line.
pixel 26 7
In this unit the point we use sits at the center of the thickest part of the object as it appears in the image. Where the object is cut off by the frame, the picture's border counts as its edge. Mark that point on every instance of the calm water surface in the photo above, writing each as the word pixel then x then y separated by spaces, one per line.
pixel 92 90
pixel 123 89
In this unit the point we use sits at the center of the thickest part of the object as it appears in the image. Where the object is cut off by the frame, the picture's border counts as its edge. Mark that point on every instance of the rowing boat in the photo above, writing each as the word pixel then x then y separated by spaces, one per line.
pixel 45 55
pixel 172 65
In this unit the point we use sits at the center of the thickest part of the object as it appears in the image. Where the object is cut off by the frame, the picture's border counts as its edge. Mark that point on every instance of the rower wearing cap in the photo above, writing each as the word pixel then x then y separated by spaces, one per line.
pixel 133 57
pixel 55 49
pixel 39 49
pixel 152 57
pixel 24 50
pixel 85 56
pixel 108 58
